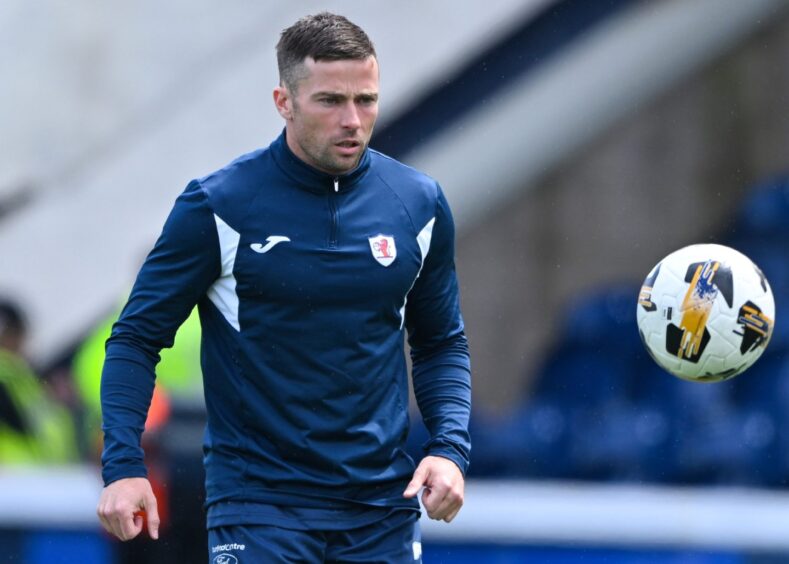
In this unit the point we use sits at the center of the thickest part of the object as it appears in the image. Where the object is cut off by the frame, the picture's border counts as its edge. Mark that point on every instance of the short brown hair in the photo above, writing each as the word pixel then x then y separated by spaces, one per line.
pixel 323 37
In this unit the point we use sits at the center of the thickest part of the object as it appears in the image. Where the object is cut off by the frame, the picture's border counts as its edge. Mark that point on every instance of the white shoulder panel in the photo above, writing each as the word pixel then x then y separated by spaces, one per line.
pixel 423 240
pixel 223 292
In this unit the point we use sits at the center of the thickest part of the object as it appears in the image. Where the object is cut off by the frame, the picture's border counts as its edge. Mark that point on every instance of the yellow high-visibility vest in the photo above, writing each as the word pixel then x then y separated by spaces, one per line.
pixel 48 436
pixel 178 372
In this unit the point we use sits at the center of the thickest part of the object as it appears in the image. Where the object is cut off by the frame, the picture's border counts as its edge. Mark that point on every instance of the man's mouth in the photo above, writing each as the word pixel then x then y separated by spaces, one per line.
pixel 348 146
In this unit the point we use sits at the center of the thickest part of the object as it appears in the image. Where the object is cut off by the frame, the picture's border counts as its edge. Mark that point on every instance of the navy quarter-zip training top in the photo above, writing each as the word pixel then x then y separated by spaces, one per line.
pixel 305 285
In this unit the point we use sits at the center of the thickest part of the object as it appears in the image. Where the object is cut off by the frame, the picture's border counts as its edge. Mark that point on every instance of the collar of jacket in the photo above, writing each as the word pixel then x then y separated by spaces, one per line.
pixel 312 179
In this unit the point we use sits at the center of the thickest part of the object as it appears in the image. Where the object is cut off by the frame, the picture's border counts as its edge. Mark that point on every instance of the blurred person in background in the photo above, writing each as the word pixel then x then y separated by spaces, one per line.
pixel 175 469
pixel 34 428
pixel 307 260
pixel 178 377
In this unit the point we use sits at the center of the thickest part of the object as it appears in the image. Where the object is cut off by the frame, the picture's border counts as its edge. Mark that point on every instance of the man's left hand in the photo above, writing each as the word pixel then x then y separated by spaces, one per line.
pixel 444 485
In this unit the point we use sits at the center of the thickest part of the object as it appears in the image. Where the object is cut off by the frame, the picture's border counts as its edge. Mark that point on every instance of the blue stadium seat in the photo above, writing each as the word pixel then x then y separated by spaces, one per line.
pixel 704 426
pixel 692 415
pixel 605 318
pixel 765 384
pixel 766 209
pixel 578 421
pixel 762 395
pixel 582 377
pixel 595 347
pixel 623 442
pixel 531 441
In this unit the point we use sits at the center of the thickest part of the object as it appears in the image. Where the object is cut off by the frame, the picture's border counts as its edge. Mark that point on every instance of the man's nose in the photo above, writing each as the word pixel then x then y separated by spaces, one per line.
pixel 350 117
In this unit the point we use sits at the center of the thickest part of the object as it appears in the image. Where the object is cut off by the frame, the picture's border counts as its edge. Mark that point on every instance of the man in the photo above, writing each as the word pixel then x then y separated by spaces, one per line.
pixel 307 260
pixel 34 428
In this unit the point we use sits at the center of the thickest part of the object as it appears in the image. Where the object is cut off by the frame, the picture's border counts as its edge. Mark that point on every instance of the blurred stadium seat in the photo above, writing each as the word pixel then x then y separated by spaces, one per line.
pixel 766 209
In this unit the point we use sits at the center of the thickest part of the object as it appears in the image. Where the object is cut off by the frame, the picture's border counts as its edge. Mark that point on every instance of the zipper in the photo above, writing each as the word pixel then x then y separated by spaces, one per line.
pixel 333 215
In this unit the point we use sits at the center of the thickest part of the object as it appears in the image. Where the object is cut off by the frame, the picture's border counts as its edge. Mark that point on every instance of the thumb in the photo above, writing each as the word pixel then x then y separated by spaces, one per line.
pixel 420 475
pixel 152 515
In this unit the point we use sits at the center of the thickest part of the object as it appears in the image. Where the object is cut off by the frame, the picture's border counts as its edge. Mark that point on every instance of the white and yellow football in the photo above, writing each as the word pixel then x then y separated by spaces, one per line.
pixel 705 313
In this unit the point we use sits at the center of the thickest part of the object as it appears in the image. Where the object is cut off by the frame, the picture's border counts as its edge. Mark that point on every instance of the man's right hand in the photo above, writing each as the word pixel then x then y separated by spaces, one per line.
pixel 120 504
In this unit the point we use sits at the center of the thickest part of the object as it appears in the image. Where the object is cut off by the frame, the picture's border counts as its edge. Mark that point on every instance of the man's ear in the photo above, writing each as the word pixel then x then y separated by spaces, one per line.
pixel 283 102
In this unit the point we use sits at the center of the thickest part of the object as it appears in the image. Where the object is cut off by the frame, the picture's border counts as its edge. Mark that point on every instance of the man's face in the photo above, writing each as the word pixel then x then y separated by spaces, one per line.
pixel 12 341
pixel 330 117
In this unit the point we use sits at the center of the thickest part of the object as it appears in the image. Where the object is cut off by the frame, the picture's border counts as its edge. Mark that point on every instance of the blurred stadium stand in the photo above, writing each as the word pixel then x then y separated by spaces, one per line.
pixel 594 138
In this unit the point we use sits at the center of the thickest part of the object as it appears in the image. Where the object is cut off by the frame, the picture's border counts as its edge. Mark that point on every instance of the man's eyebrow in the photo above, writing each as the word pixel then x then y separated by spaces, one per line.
pixel 328 94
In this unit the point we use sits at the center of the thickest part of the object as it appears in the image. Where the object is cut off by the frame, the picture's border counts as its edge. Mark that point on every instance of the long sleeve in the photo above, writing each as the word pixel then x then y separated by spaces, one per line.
pixel 176 274
pixel 439 349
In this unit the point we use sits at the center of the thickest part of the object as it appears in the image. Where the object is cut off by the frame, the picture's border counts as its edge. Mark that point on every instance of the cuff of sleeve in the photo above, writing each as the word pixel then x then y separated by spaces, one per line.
pixel 451 453
pixel 112 473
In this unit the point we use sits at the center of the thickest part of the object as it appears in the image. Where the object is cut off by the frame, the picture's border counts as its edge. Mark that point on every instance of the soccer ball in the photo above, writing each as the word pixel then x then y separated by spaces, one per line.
pixel 705 313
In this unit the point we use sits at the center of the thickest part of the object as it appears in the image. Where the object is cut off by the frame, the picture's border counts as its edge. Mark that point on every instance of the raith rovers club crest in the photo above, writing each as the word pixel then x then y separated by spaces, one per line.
pixel 383 248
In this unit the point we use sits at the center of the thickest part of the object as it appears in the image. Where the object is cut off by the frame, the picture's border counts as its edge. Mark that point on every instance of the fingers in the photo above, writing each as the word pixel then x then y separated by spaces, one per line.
pixel 119 508
pixel 119 520
pixel 129 526
pixel 452 514
pixel 152 511
pixel 444 486
pixel 103 520
pixel 443 501
pixel 418 480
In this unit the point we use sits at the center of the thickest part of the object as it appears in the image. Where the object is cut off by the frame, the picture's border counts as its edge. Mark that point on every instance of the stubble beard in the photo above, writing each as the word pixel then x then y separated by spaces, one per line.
pixel 322 157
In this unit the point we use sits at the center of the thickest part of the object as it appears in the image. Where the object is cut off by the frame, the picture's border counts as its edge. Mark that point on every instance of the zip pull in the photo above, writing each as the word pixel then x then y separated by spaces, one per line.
pixel 336 184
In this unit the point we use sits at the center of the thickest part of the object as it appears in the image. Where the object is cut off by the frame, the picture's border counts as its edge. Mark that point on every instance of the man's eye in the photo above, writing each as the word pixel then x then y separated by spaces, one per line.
pixel 328 101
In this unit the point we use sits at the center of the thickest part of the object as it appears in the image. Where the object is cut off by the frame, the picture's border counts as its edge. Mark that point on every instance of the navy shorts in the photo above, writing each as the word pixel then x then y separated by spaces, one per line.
pixel 396 539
